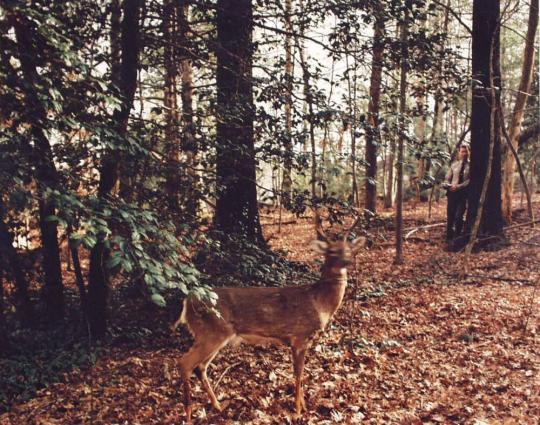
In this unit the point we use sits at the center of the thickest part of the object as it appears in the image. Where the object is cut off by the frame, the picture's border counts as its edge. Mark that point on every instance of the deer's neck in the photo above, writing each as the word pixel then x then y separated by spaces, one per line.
pixel 330 291
pixel 331 275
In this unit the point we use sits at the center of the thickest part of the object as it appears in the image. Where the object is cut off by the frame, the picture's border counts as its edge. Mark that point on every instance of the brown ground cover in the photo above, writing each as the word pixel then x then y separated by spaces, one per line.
pixel 415 343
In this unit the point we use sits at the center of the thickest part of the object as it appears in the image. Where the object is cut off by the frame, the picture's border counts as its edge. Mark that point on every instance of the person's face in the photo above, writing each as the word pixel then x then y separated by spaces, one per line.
pixel 463 153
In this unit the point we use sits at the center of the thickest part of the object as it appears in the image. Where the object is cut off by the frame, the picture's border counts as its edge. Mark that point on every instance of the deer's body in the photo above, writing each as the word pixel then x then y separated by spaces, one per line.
pixel 249 314
pixel 291 316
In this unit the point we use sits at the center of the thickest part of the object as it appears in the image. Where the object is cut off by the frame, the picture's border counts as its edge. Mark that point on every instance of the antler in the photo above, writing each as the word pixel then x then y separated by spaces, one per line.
pixel 319 229
pixel 350 229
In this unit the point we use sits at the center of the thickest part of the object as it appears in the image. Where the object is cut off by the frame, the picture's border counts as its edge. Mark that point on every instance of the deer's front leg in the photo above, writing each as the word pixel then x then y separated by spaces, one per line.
pixel 299 355
pixel 187 400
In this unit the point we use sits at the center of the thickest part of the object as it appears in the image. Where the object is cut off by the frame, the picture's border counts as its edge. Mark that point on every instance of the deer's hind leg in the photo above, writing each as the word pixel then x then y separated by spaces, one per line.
pixel 202 352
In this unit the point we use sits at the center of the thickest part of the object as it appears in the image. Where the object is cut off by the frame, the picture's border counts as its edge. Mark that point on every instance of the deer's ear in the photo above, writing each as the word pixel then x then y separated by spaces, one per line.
pixel 358 243
pixel 319 247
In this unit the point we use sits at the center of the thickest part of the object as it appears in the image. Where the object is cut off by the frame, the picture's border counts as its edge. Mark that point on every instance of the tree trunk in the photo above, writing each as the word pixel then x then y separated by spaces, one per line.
pixel 372 133
pixel 4 341
pixel 389 195
pixel 402 108
pixel 189 142
pixel 9 261
pixel 127 83
pixel 309 109
pixel 351 88
pixel 236 206
pixel 518 112
pixel 485 56
pixel 286 187
pixel 390 158
pixel 170 102
pixel 46 173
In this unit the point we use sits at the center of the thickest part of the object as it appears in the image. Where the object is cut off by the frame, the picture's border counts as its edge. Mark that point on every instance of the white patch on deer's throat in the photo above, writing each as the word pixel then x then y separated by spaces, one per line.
pixel 324 317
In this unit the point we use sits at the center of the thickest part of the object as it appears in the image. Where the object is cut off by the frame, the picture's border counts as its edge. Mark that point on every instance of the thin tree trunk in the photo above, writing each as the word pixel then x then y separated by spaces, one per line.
pixel 4 340
pixel 98 285
pixel 46 174
pixel 517 115
pixel 288 145
pixel 437 128
pixel 170 102
pixel 372 134
pixel 308 104
pixel 79 277
pixel 517 161
pixel 390 159
pixel 189 142
pixel 9 261
pixel 352 116
pixel 420 135
pixel 389 195
pixel 402 108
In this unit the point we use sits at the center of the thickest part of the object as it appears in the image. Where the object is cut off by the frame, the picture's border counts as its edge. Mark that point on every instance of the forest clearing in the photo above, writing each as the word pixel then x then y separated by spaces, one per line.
pixel 272 211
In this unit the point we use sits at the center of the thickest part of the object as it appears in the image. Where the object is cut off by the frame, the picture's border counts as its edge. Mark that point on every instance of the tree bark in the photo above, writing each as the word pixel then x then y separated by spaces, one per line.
pixel 437 127
pixel 236 205
pixel 372 133
pixel 518 112
pixel 529 133
pixel 189 143
pixel 390 158
pixel 46 173
pixel 170 102
pixel 402 108
pixel 517 161
pixel 286 186
pixel 9 262
pixel 485 56
pixel 98 285
pixel 493 130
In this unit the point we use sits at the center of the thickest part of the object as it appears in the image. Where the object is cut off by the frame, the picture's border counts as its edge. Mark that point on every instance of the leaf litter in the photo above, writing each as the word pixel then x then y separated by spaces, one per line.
pixel 411 344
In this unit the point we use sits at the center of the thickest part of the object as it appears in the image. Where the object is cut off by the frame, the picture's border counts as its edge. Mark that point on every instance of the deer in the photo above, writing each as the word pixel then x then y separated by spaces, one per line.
pixel 292 316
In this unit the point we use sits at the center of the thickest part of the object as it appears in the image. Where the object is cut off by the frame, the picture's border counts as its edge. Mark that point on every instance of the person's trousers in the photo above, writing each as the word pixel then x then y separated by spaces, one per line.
pixel 455 210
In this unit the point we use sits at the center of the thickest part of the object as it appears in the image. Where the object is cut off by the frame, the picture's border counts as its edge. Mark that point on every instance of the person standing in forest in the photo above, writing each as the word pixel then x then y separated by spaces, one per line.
pixel 456 183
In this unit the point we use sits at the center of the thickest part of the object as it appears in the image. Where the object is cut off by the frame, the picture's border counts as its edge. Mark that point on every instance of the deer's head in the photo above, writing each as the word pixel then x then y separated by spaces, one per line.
pixel 338 253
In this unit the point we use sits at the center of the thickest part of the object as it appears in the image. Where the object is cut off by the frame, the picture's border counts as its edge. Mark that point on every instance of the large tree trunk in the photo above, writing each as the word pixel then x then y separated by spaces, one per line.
pixel 402 108
pixel 372 134
pixel 236 207
pixel 46 173
pixel 127 83
pixel 485 45
pixel 517 115
pixel 286 186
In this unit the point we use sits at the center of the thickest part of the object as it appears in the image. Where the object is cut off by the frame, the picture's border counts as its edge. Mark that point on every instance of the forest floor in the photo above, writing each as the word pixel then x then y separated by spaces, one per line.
pixel 415 343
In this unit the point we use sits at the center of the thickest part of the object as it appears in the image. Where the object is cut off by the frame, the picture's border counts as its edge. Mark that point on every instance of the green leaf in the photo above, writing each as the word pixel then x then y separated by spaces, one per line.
pixel 159 300
pixel 114 260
